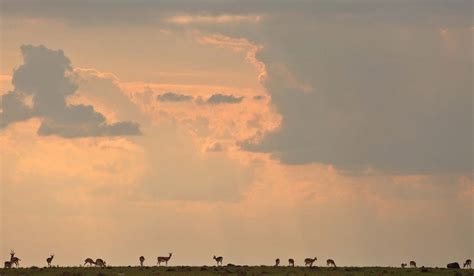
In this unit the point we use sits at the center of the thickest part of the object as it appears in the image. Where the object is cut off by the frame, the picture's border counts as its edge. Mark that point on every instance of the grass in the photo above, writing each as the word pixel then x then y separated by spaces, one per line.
pixel 231 270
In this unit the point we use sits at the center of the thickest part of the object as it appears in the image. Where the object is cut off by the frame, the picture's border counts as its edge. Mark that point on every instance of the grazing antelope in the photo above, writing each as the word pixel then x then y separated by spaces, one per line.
pixel 467 263
pixel 13 259
pixel 218 260
pixel 413 264
pixel 309 262
pixel 291 262
pixel 89 261
pixel 142 259
pixel 49 260
pixel 8 264
pixel 403 265
pixel 100 263
pixel 277 262
pixel 330 262
pixel 164 259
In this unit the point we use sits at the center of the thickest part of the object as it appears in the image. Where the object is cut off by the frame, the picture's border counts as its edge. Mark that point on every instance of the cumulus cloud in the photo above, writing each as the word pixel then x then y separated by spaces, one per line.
pixel 371 100
pixel 46 78
pixel 173 97
pixel 222 99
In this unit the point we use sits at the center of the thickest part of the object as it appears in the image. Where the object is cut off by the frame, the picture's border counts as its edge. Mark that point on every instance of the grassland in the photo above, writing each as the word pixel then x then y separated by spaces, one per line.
pixel 231 270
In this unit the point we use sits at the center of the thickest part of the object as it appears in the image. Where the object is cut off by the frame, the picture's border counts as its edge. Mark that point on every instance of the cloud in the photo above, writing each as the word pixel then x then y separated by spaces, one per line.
pixel 208 19
pixel 173 97
pixel 46 78
pixel 258 97
pixel 215 147
pixel 222 99
pixel 367 100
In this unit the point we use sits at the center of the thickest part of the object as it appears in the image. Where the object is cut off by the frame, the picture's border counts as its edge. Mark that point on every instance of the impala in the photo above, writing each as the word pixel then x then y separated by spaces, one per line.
pixel 413 264
pixel 89 261
pixel 277 262
pixel 164 259
pixel 467 263
pixel 13 259
pixel 100 263
pixel 309 262
pixel 218 259
pixel 8 264
pixel 403 265
pixel 50 259
pixel 291 262
pixel 142 259
pixel 330 262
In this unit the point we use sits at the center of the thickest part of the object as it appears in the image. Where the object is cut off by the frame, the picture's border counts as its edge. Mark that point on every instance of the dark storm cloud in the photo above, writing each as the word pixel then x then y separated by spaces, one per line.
pixel 173 97
pixel 45 78
pixel 222 99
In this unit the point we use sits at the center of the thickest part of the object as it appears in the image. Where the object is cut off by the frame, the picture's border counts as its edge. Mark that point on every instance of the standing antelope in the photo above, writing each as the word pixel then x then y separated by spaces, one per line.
pixel 291 262
pixel 100 263
pixel 142 259
pixel 413 264
pixel 13 259
pixel 49 260
pixel 403 265
pixel 467 263
pixel 330 262
pixel 89 261
pixel 309 261
pixel 277 262
pixel 218 260
pixel 164 259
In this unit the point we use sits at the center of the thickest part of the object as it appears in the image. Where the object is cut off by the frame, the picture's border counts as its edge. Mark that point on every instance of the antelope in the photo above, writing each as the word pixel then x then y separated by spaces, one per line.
pixel 330 262
pixel 100 263
pixel 164 259
pixel 277 262
pixel 218 260
pixel 13 259
pixel 467 263
pixel 291 262
pixel 413 264
pixel 403 265
pixel 8 264
pixel 309 261
pixel 89 261
pixel 49 260
pixel 142 259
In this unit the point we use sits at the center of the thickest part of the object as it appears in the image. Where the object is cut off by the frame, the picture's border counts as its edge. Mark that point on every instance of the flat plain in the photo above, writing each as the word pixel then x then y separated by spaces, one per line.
pixel 232 270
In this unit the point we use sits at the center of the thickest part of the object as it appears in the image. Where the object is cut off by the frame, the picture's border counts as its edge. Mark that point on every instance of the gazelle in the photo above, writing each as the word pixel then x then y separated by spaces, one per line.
pixel 309 262
pixel 13 259
pixel 403 265
pixel 413 264
pixel 141 259
pixel 164 259
pixel 291 262
pixel 8 264
pixel 330 262
pixel 89 261
pixel 467 263
pixel 277 262
pixel 218 260
pixel 100 263
pixel 50 259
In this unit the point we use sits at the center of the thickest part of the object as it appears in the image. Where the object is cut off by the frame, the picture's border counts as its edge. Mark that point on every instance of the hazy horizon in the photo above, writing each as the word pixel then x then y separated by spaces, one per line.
pixel 252 130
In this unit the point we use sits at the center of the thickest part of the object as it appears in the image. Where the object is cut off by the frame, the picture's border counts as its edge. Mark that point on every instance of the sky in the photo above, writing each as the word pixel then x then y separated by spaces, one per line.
pixel 253 130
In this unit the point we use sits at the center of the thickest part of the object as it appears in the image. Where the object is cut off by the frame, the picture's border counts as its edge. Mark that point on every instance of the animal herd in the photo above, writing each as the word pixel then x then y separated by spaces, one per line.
pixel 15 261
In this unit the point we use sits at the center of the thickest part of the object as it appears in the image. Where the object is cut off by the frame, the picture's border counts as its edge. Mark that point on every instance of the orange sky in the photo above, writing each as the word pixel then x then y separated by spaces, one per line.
pixel 237 163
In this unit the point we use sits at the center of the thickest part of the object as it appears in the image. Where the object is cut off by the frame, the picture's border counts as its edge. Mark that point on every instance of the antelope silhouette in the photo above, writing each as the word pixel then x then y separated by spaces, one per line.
pixel 277 262
pixel 141 259
pixel 218 260
pixel 330 262
pixel 13 259
pixel 50 259
pixel 291 262
pixel 164 259
pixel 467 263
pixel 89 261
pixel 309 262
pixel 99 262
pixel 413 264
